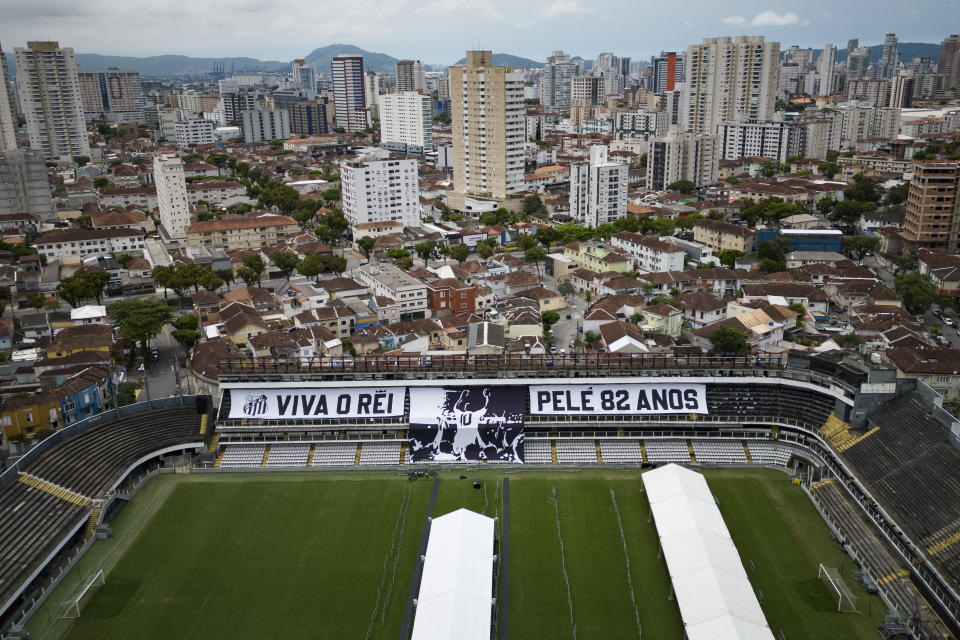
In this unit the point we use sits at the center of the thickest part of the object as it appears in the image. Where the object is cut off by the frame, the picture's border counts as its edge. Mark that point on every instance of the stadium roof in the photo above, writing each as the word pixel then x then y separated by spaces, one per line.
pixel 715 597
pixel 455 592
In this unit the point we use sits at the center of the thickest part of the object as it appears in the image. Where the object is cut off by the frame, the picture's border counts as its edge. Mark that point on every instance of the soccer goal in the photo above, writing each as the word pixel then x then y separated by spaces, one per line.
pixel 846 601
pixel 72 607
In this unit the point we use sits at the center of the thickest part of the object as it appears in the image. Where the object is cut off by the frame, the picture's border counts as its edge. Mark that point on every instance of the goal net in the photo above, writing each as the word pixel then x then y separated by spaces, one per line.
pixel 846 601
pixel 72 607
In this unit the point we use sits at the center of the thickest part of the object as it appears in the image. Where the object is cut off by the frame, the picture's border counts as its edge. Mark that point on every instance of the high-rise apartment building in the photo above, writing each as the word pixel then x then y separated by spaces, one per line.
pixel 932 219
pixel 349 95
pixel 190 133
pixel 406 122
pixel 51 101
pixel 171 194
pixel 682 156
pixel 948 62
pixel 307 117
pixel 24 186
pixel 825 69
pixel 305 78
pixel 115 94
pixel 558 72
pixel 261 125
pixel 587 91
pixel 410 76
pixel 747 139
pixel 667 71
pixel 488 127
pixel 381 190
pixel 852 45
pixel 371 89
pixel 8 108
pixel 237 102
pixel 728 79
pixel 886 67
pixel 858 63
pixel 598 189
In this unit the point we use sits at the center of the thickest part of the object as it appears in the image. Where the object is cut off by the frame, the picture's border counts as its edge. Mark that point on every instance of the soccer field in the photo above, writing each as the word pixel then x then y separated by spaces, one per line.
pixel 332 555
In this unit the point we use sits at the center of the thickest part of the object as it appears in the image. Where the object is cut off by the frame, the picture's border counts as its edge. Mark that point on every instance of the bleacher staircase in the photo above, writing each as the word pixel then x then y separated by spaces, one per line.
pixel 54 490
pixel 838 433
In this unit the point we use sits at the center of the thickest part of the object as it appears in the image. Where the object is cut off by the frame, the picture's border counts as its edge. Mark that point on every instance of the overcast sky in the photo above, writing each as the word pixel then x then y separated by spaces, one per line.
pixel 438 31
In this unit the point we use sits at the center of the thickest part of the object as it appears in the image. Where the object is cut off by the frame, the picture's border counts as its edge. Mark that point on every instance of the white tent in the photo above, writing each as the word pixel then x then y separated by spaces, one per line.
pixel 715 597
pixel 456 590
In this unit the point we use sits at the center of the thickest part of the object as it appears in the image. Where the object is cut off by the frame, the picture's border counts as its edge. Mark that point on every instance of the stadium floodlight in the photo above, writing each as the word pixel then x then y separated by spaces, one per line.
pixel 846 601
pixel 72 610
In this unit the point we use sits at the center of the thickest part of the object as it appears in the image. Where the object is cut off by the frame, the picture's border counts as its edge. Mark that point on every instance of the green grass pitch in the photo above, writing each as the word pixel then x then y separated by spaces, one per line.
pixel 331 555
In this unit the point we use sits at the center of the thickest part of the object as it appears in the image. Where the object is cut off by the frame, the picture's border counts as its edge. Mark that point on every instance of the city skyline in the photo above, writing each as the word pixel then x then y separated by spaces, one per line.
pixel 441 30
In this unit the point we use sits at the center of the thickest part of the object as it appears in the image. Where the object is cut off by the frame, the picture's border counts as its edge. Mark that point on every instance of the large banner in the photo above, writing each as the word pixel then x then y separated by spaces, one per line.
pixel 317 403
pixel 617 399
pixel 454 424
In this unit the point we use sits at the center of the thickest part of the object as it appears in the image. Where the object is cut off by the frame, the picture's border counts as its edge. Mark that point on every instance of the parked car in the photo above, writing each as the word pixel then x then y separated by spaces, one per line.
pixel 947 321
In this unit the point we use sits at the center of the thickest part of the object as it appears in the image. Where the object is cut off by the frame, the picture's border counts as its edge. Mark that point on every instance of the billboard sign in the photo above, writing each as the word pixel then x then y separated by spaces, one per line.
pixel 453 424
pixel 316 403
pixel 617 399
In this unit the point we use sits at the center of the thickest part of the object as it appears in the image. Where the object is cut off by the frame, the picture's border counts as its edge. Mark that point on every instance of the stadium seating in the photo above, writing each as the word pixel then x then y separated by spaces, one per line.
pixel 289 455
pixel 719 451
pixel 537 451
pixel 769 452
pixel 327 454
pixel 380 452
pixel 773 402
pixel 621 450
pixel 576 450
pixel 90 462
pixel 660 451
pixel 243 455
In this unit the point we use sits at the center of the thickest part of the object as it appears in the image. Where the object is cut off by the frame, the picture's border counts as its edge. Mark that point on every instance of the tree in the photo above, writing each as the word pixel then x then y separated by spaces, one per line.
pixel 864 189
pixel 405 261
pixel 366 244
pixel 591 338
pixel 903 264
pixel 772 254
pixel 459 252
pixel 425 249
pixel 226 275
pixel 255 264
pixel 769 169
pixel 526 241
pixel 897 194
pixel 140 319
pixel 847 214
pixel 484 250
pixel 248 275
pixel 549 318
pixel 799 308
pixel 337 264
pixel 82 222
pixel 123 259
pixel 547 236
pixel 828 169
pixel 81 160
pixel 825 206
pixel 848 340
pixel 186 331
pixel 565 288
pixel 127 393
pixel 683 186
pixel 210 281
pixel 533 205
pixel 285 262
pixel 726 340
pixel 860 246
pixel 35 300
pixel 312 265
pixel 535 255
pixel 100 182
pixel 161 275
pixel 83 285
pixel 916 291
pixel 728 257
pixel 190 274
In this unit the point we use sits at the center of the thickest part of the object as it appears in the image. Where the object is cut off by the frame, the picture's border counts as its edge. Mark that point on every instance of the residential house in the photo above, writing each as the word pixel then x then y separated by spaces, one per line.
pixel 851 292
pixel 546 299
pixel 719 236
pixel 944 270
pixel 257 297
pixel 27 415
pixel 294 297
pixel 254 230
pixel 84 394
pixel 622 337
pixel 801 258
pixel 702 308
pixel 937 367
pixel 649 254
pixel 598 257
pixel 91 337
pixel 485 339
pixel 389 281
pixel 662 318
pixel 450 295
pixel 341 287
pixel 811 297
pixel 240 321
pixel 89 314
pixel 764 335
pixel 339 319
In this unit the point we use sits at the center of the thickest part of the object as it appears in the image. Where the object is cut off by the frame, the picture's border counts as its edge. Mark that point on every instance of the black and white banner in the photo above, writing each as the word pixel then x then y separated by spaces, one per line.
pixel 617 399
pixel 453 424
pixel 316 403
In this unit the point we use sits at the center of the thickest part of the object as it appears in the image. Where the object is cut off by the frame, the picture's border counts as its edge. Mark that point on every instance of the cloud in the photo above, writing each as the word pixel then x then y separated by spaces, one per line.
pixel 559 8
pixel 461 7
pixel 734 20
pixel 770 18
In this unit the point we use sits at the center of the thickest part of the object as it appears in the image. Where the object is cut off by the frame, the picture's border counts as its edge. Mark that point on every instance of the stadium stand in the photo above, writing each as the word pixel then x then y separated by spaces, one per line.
pixel 243 455
pixel 617 450
pixel 47 497
pixel 327 454
pixel 719 451
pixel 912 469
pixel 661 451
pixel 576 450
pixel 289 455
pixel 380 452
pixel 537 451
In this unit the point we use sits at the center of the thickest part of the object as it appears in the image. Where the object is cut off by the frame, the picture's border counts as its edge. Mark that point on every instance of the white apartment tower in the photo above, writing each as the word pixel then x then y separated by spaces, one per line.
pixel 350 102
pixel 8 114
pixel 555 83
pixel 51 101
pixel 171 194
pixel 381 190
pixel 410 76
pixel 260 125
pixel 598 189
pixel 682 156
pixel 406 122
pixel 190 133
pixel 825 69
pixel 727 79
pixel 488 127
pixel 304 77
pixel 371 90
pixel 748 139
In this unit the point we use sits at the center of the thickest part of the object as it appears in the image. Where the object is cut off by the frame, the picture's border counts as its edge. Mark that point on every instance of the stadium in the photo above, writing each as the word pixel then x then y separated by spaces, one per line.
pixel 393 497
